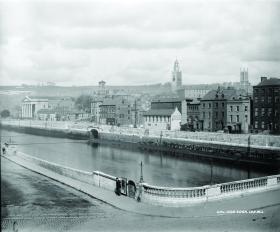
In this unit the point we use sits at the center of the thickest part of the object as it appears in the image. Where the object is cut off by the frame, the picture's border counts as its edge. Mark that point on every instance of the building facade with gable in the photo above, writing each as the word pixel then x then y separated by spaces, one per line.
pixel 162 119
pixel 213 108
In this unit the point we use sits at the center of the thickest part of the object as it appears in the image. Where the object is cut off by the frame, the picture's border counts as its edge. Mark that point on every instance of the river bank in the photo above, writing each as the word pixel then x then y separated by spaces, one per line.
pixel 229 152
pixel 216 148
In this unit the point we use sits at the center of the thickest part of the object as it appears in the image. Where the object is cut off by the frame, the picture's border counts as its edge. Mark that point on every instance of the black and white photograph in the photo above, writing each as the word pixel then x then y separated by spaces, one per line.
pixel 140 115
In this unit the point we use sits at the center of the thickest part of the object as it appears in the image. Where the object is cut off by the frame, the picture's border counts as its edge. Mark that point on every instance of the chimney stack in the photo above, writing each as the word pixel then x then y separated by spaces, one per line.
pixel 263 79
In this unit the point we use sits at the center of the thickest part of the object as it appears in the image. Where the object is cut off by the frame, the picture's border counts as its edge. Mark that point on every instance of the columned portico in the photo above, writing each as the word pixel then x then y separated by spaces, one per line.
pixel 30 106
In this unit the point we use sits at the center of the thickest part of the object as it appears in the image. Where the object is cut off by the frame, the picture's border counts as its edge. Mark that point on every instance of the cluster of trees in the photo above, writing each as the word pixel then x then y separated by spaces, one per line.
pixel 5 113
pixel 83 102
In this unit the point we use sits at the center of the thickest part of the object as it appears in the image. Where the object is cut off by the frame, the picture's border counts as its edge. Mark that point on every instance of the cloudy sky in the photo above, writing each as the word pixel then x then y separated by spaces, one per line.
pixel 136 42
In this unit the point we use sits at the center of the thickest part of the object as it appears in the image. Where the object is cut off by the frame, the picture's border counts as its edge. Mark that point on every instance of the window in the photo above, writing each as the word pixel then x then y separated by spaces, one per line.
pixel 256 111
pixel 209 115
pixel 216 114
pixel 256 99
pixel 263 111
pixel 217 104
pixel 246 118
pixel 256 124
pixel 223 114
pixel 209 105
pixel 223 104
pixel 237 108
pixel 269 111
pixel 262 125
pixel 203 105
pixel 237 118
pixel 269 100
pixel 203 115
pixel 231 108
pixel 246 108
pixel 262 99
pixel 230 118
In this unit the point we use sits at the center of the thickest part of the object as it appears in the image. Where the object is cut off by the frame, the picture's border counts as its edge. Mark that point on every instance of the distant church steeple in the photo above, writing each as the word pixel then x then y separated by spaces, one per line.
pixel 176 82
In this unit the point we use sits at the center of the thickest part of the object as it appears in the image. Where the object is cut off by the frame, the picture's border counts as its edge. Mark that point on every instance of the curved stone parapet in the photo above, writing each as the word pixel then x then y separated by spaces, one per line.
pixel 185 196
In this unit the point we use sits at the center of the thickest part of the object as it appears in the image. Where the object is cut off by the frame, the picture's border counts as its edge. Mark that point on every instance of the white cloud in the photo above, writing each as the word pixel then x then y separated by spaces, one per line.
pixel 136 42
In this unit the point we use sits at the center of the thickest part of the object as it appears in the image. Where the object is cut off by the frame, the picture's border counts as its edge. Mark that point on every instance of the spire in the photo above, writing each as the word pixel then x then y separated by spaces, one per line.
pixel 176 65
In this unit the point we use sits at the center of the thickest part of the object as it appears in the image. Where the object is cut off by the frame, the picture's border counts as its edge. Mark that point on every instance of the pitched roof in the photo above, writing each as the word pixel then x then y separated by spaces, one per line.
pixel 109 102
pixel 159 112
pixel 220 94
pixel 166 98
pixel 270 81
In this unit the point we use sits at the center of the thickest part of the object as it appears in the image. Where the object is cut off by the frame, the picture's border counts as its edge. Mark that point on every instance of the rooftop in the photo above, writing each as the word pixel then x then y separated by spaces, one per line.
pixel 269 82
pixel 159 112
pixel 221 93
pixel 167 98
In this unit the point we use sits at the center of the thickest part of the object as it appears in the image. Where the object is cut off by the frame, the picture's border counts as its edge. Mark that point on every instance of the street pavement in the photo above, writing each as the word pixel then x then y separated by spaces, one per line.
pixel 31 202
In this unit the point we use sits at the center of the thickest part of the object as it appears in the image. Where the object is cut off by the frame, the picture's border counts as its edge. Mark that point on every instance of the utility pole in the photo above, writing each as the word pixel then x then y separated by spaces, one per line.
pixel 249 146
pixel 135 114
pixel 211 178
pixel 248 155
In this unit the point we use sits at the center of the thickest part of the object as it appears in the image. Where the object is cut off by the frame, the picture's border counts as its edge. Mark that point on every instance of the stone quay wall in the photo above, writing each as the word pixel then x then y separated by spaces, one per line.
pixel 257 140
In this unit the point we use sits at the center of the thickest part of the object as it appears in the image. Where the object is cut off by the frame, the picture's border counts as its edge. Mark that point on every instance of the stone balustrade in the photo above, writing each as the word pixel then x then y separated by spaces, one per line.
pixel 243 185
pixel 174 192
pixel 183 196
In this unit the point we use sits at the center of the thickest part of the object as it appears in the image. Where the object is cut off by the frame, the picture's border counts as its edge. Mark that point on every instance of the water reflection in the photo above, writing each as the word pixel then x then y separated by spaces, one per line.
pixel 158 169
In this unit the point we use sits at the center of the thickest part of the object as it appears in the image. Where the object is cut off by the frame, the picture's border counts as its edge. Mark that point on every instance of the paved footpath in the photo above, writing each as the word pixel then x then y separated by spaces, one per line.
pixel 31 202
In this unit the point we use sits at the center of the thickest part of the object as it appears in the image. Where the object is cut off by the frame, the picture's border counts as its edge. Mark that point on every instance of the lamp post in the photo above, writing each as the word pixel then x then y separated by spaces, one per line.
pixel 141 173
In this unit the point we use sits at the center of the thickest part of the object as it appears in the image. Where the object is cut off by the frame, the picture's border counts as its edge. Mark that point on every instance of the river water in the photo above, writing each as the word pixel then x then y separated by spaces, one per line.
pixel 158 169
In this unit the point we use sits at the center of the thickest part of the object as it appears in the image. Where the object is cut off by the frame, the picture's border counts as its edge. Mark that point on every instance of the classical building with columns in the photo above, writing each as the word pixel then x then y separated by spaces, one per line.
pixel 30 106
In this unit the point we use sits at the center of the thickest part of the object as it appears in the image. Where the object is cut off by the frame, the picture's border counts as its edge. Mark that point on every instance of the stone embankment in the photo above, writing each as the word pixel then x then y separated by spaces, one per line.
pixel 148 199
pixel 244 148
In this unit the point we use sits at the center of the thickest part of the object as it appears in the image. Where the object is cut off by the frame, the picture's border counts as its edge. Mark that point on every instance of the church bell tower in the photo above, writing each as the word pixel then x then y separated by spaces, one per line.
pixel 176 82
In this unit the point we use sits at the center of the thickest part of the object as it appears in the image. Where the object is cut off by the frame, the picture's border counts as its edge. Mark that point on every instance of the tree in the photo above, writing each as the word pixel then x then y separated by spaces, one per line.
pixel 83 102
pixel 5 113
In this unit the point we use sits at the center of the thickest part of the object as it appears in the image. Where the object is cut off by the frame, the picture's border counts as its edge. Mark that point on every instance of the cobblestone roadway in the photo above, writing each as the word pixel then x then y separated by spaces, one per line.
pixel 30 202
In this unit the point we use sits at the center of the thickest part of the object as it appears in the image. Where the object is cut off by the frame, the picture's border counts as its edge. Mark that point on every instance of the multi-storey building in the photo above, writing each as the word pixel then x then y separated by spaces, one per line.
pixel 108 112
pixel 193 115
pixel 266 105
pixel 213 108
pixel 238 114
pixel 95 110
